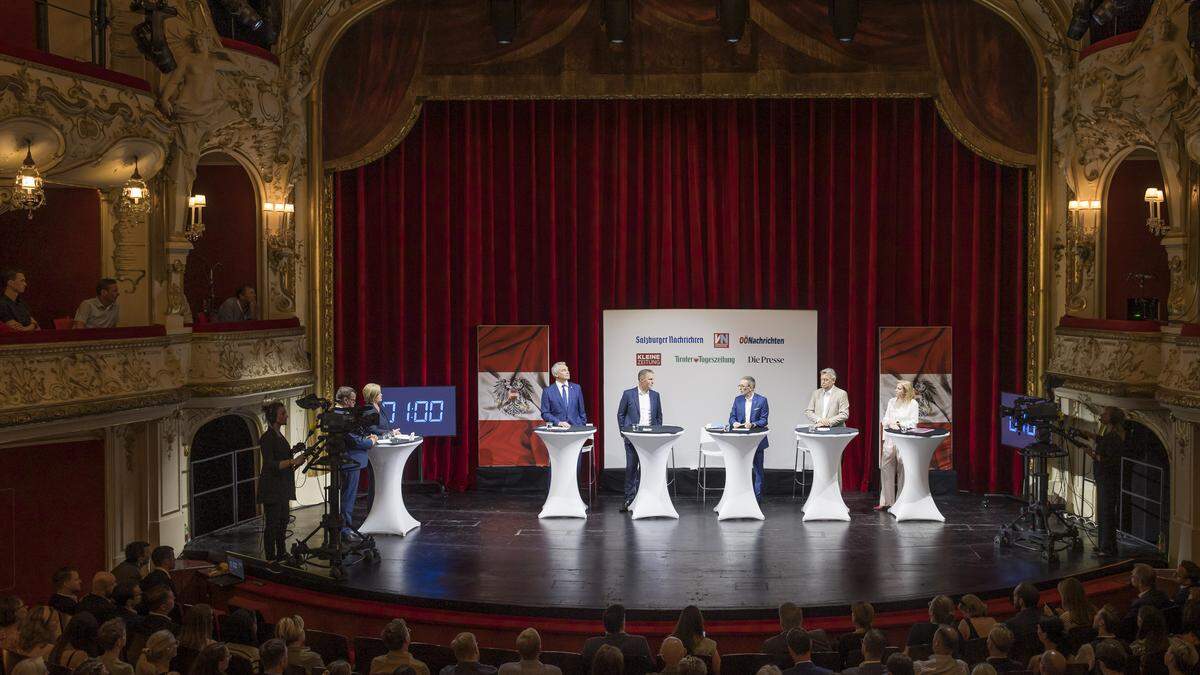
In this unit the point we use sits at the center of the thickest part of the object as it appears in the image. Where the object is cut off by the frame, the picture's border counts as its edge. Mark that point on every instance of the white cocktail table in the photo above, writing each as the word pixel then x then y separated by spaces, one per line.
pixel 737 449
pixel 825 498
pixel 653 446
pixel 564 446
pixel 916 450
pixel 388 513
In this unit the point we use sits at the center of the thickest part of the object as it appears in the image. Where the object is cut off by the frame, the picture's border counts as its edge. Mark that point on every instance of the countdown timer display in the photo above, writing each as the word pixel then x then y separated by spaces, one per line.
pixel 428 411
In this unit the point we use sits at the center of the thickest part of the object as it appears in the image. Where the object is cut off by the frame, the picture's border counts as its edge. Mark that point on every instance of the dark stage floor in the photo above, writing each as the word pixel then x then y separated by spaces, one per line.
pixel 479 551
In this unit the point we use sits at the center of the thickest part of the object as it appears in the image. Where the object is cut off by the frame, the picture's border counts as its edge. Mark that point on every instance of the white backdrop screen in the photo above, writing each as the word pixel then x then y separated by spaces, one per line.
pixel 698 356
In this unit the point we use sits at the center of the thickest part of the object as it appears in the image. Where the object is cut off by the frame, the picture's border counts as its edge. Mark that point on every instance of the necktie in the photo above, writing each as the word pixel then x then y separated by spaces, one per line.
pixel 564 394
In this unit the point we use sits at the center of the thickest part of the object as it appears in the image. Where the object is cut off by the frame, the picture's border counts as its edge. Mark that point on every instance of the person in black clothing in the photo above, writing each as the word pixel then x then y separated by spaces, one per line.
pixel 790 618
pixel 999 642
pixel 862 614
pixel 800 651
pixel 14 313
pixel 67 585
pixel 276 482
pixel 1024 623
pixel 162 561
pixel 873 644
pixel 160 601
pixel 1106 468
pixel 1188 576
pixel 127 597
pixel 634 648
pixel 941 613
pixel 98 603
pixel 1145 581
pixel 137 554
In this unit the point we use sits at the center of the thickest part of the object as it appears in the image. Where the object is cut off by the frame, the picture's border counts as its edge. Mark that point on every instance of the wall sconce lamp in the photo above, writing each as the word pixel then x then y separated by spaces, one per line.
pixel 195 226
pixel 135 196
pixel 1082 227
pixel 1154 222
pixel 279 231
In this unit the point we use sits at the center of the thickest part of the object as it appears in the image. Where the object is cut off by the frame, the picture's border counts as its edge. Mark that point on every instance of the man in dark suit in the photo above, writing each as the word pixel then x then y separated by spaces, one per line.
pixel 873 645
pixel 791 617
pixel 127 597
pixel 1024 623
pixel 750 411
pixel 158 602
pixel 562 401
pixel 67 585
pixel 999 643
pixel 1106 469
pixel 466 656
pixel 800 649
pixel 162 561
pixel 137 554
pixel 640 406
pixel 98 603
pixel 1145 582
pixel 276 481
pixel 634 648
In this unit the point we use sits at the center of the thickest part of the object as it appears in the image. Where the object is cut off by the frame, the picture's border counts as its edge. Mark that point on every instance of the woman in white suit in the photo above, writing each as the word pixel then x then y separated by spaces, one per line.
pixel 902 413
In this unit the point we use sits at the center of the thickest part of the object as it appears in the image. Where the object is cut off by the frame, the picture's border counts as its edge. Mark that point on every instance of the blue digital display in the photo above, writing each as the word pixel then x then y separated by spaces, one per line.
pixel 428 411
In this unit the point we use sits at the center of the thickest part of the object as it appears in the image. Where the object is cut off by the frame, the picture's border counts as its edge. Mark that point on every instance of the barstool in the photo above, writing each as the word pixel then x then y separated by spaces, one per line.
pixel 591 481
pixel 799 465
pixel 708 448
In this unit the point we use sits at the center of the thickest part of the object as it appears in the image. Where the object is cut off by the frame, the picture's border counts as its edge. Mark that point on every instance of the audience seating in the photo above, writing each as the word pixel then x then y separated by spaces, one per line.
pixel 63 323
pixel 184 657
pixel 1081 635
pixel 365 651
pixel 921 652
pixel 493 656
pixel 434 656
pixel 331 646
pixel 745 663
pixel 571 663
pixel 830 660
pixel 975 651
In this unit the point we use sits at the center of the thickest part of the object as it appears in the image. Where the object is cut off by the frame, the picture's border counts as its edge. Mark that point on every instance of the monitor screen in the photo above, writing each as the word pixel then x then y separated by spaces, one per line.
pixel 1010 434
pixel 428 411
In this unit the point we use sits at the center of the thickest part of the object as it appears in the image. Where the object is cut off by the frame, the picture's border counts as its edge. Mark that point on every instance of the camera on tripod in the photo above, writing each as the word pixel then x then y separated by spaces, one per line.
pixel 332 420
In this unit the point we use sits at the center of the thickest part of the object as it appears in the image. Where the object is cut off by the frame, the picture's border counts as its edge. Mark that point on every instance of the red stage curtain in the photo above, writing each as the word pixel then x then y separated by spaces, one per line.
pixel 530 212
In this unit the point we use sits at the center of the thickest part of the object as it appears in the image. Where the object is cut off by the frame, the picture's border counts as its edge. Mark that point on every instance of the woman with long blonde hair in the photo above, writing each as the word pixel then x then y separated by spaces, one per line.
pixel 156 657
pixel 902 414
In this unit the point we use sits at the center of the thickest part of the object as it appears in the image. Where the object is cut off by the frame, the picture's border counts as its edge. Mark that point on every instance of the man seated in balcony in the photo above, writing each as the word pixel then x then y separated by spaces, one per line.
pixel 14 313
pixel 238 308
pixel 100 311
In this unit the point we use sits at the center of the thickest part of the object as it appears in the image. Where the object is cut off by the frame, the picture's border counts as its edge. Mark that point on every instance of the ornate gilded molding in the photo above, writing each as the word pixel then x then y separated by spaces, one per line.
pixel 326 290
pixel 1158 366
pixel 1033 286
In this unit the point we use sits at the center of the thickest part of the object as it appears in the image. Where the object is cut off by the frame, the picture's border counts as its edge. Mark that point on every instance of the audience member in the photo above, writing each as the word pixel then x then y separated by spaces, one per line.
pixel 162 561
pixel 67 585
pixel 690 631
pixel 769 670
pixel 791 617
pixel 529 646
pixel 1180 658
pixel 273 657
pixel 99 602
pixel 999 643
pixel 77 642
pixel 290 629
pixel 30 667
pixel 1188 576
pixel 34 642
pixel 942 661
pixel 240 307
pixel 100 311
pixel 899 664
pixel 92 666
pixel 672 652
pixel 48 617
pixel 137 554
pixel 195 633
pixel 1052 636
pixel 1052 662
pixel 862 614
pixel 691 665
pixel 12 613
pixel 14 313
pixel 1024 623
pixel 1145 581
pixel 634 649
pixel 1105 622
pixel 800 650
pixel 212 660
pixel 156 656
pixel 240 633
pixel 975 622
pixel 342 667
pixel 873 645
pixel 397 637
pixel 941 613
pixel 159 603
pixel 609 660
pixel 466 657
pixel 111 640
pixel 1075 610
pixel 983 669
pixel 1189 629
pixel 127 599
pixel 1152 640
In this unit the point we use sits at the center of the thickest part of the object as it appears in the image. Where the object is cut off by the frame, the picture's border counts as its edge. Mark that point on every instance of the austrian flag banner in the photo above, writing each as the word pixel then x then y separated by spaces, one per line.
pixel 513 368
pixel 923 355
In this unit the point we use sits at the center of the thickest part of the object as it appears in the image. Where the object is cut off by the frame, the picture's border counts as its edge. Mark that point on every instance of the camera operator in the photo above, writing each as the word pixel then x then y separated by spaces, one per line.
pixel 1111 445
pixel 356 457
pixel 276 481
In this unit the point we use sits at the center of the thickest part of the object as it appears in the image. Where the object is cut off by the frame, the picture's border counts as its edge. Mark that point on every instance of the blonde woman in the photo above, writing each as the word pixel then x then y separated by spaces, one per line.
pixel 156 657
pixel 290 629
pixel 373 396
pixel 902 413
pixel 975 622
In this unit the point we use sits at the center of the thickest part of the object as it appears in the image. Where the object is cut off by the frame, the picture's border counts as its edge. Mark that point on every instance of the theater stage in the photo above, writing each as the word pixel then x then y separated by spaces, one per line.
pixel 479 552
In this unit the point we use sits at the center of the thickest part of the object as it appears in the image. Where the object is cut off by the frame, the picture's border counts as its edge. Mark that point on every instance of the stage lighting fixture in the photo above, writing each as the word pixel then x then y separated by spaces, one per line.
pixel 616 20
pixel 251 19
pixel 1081 19
pixel 504 16
pixel 843 15
pixel 732 14
pixel 148 35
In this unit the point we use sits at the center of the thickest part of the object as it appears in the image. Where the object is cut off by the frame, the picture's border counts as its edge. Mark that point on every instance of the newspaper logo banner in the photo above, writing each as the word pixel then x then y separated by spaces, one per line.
pixel 721 340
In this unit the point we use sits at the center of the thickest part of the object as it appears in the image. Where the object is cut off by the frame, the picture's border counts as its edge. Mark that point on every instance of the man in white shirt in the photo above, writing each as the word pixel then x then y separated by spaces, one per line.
pixel 100 311
pixel 640 406
pixel 829 406
pixel 238 308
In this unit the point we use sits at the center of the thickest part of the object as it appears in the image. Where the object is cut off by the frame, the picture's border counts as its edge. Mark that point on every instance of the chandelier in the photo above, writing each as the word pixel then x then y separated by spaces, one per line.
pixel 27 187
pixel 135 196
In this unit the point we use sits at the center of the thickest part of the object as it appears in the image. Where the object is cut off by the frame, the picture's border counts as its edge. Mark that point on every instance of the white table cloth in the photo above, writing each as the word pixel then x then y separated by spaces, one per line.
pixel 916 450
pixel 388 513
pixel 653 447
pixel 737 449
pixel 564 445
pixel 825 498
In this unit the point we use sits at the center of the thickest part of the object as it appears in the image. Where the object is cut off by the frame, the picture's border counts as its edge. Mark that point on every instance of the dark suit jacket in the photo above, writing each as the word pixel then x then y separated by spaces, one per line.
pixel 100 607
pixel 921 633
pixel 629 413
pixel 1153 598
pixel 63 603
pixel 634 648
pixel 158 578
pixel 132 619
pixel 777 646
pixel 553 410
pixel 152 623
pixel 807 668
pixel 275 485
pixel 875 668
pixel 760 412
pixel 850 642
pixel 127 571
pixel 1023 625
pixel 475 668
pixel 1003 665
